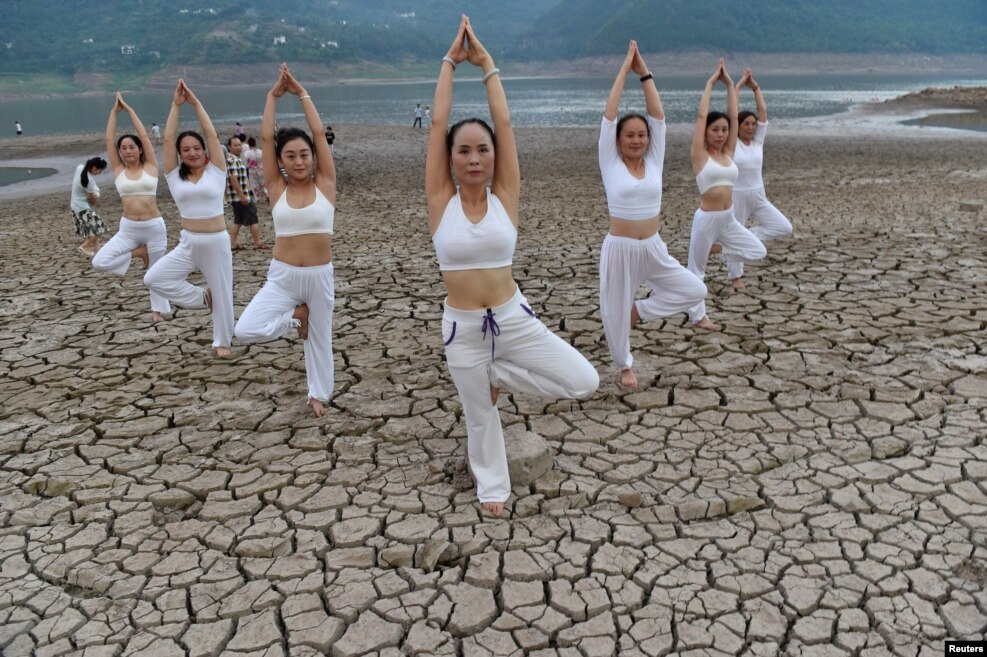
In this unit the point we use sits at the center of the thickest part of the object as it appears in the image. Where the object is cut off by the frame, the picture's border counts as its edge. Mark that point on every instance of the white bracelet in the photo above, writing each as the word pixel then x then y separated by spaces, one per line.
pixel 447 58
pixel 492 72
pixel 301 98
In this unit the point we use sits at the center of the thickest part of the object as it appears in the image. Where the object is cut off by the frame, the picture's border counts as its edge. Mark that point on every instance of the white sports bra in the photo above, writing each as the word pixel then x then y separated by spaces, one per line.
pixel 316 218
pixel 487 244
pixel 202 199
pixel 713 174
pixel 146 185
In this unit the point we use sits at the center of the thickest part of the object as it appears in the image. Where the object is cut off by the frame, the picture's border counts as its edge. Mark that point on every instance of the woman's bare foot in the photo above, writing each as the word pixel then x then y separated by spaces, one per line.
pixel 716 248
pixel 261 245
pixel 222 352
pixel 706 323
pixel 301 314
pixel 141 253
pixel 494 393
pixel 627 378
pixel 493 508
pixel 157 317
pixel 317 406
pixel 738 284
pixel 207 298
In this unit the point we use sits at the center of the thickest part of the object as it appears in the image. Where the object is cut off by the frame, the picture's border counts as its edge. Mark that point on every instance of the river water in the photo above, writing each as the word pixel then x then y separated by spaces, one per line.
pixel 534 101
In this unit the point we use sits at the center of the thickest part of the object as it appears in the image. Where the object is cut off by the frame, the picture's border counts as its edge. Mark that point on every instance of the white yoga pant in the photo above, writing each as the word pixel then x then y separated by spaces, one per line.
pixel 268 317
pixel 115 256
pixel 771 223
pixel 709 228
pixel 507 347
pixel 209 253
pixel 626 263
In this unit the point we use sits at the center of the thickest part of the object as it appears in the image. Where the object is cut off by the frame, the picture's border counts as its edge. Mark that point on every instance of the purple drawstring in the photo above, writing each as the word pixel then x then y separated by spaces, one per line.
pixel 489 321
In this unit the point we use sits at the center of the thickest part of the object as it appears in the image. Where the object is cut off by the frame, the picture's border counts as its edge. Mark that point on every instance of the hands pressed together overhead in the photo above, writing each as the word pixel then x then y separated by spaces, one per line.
pixel 467 47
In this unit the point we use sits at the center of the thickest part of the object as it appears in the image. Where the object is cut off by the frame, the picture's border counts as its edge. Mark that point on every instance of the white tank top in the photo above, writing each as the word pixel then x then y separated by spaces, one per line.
pixel 713 174
pixel 146 185
pixel 487 244
pixel 317 217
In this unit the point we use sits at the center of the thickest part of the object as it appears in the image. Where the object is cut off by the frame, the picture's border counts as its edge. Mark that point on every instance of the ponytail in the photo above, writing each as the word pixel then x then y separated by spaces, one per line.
pixel 93 162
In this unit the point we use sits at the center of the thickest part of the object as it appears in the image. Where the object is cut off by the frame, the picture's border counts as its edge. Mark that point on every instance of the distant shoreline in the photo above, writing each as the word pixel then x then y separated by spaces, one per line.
pixel 663 64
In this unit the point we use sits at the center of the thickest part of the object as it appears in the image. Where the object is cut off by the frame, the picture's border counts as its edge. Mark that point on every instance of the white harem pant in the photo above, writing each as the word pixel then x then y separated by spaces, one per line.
pixel 720 227
pixel 269 317
pixel 625 263
pixel 771 223
pixel 507 347
pixel 115 256
pixel 209 253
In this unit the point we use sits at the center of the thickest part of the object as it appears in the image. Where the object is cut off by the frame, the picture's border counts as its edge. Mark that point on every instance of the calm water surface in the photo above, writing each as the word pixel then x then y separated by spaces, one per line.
pixel 14 175
pixel 534 102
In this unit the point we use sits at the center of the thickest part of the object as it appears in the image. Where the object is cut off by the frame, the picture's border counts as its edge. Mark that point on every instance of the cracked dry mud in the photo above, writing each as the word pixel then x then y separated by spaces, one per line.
pixel 810 481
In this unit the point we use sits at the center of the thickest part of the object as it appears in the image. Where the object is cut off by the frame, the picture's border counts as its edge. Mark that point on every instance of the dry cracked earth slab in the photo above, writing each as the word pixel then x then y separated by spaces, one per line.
pixel 810 481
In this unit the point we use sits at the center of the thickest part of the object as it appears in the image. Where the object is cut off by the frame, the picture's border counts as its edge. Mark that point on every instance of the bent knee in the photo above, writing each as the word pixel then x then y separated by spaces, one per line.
pixel 586 384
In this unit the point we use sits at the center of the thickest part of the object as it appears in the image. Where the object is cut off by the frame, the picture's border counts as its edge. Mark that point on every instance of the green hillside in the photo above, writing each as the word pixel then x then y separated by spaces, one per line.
pixel 580 28
pixel 130 39
pixel 66 37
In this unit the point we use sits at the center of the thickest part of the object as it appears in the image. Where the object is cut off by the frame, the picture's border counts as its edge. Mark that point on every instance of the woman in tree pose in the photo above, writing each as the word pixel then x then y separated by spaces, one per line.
pixel 714 229
pixel 142 231
pixel 85 194
pixel 300 288
pixel 632 155
pixel 749 200
pixel 198 185
pixel 491 335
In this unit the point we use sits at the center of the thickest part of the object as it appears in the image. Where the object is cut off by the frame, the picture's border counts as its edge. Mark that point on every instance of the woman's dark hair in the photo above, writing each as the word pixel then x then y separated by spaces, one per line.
pixel 451 136
pixel 136 140
pixel 713 117
pixel 290 134
pixel 92 163
pixel 183 169
pixel 632 115
pixel 251 142
pixel 743 116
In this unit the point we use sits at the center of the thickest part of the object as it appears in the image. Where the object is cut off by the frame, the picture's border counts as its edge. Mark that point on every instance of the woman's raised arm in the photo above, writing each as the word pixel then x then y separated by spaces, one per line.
pixel 732 103
pixel 326 172
pixel 273 179
pixel 439 186
pixel 651 98
pixel 150 159
pixel 617 90
pixel 171 129
pixel 698 149
pixel 111 136
pixel 208 131
pixel 507 170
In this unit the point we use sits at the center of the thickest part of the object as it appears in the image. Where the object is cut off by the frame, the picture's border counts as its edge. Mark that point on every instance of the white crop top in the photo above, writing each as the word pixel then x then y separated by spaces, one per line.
pixel 749 160
pixel 146 185
pixel 202 199
pixel 713 174
pixel 628 197
pixel 487 244
pixel 315 218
